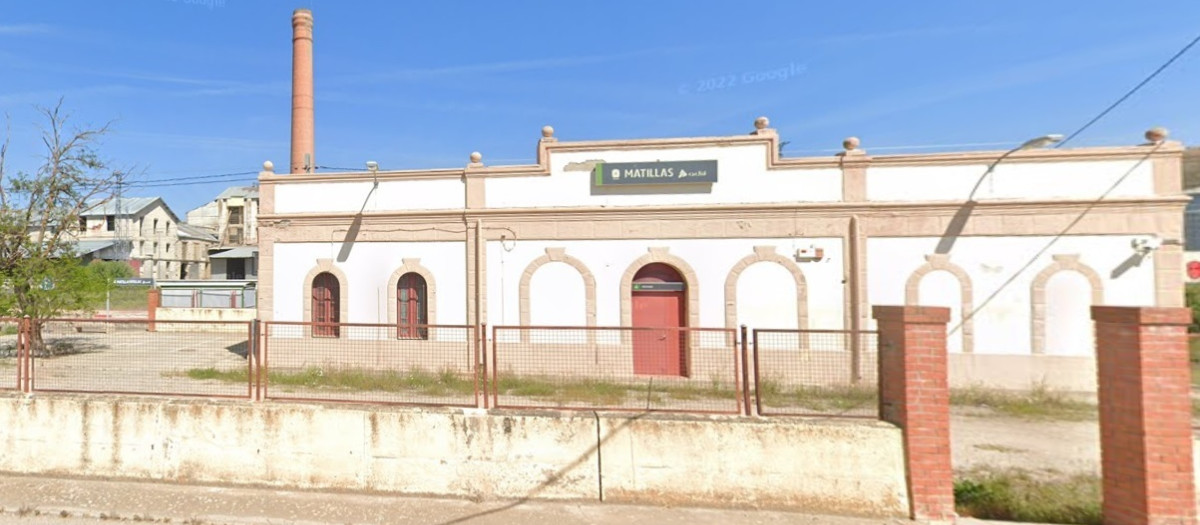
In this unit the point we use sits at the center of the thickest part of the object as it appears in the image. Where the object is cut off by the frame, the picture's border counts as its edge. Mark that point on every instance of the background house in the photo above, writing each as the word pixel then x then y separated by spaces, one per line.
pixel 232 216
pixel 147 234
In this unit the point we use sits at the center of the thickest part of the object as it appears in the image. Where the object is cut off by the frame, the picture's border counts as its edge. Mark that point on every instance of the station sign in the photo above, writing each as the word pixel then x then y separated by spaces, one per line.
pixel 133 281
pixel 675 172
pixel 658 287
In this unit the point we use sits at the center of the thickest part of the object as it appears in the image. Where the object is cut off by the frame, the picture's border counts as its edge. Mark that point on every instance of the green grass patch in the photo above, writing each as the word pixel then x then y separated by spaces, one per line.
pixel 124 298
pixel 415 380
pixel 839 398
pixel 1019 495
pixel 446 382
pixel 1194 359
pixel 1038 403
pixel 601 392
pixel 714 389
pixel 8 329
pixel 232 376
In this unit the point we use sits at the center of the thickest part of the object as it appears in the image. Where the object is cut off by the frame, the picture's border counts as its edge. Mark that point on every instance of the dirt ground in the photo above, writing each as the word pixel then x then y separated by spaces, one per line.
pixel 987 440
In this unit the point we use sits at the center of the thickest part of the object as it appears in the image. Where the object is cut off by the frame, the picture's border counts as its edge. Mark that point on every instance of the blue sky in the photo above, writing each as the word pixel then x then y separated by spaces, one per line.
pixel 201 87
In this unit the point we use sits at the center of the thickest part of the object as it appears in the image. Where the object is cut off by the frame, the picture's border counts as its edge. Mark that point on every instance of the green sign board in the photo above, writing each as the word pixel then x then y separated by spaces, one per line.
pixel 658 287
pixel 675 172
pixel 133 281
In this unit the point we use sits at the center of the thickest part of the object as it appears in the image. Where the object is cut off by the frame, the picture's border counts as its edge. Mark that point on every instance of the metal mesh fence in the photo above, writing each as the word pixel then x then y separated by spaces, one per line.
pixel 198 298
pixel 816 373
pixel 371 363
pixel 636 369
pixel 8 353
pixel 180 358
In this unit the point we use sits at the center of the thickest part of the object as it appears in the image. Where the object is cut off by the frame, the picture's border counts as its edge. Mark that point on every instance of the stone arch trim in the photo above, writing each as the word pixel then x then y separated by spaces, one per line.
pixel 1037 302
pixel 413 266
pixel 765 254
pixel 559 255
pixel 941 262
pixel 661 255
pixel 326 265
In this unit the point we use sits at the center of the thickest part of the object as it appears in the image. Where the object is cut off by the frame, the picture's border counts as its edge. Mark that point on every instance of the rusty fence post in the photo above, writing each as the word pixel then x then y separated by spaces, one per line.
pixel 264 355
pixel 24 355
pixel 253 355
pixel 745 373
pixel 153 299
pixel 480 368
pixel 495 380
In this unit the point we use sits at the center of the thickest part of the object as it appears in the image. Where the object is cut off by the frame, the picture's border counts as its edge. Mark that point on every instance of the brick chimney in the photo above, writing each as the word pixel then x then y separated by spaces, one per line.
pixel 303 147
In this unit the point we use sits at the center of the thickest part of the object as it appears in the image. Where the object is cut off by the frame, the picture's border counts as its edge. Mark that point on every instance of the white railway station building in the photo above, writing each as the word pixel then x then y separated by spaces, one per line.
pixel 723 231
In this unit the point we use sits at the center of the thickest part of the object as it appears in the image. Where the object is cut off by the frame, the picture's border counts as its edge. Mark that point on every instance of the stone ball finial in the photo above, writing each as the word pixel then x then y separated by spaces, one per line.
pixel 761 123
pixel 548 131
pixel 851 143
pixel 268 166
pixel 1157 134
pixel 476 157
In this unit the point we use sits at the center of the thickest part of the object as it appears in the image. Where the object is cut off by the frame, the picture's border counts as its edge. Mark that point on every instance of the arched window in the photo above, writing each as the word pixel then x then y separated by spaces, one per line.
pixel 412 307
pixel 326 305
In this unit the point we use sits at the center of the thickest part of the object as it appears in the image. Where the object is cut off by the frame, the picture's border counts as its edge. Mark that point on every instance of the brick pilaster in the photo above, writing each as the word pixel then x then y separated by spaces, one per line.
pixel 914 394
pixel 1145 415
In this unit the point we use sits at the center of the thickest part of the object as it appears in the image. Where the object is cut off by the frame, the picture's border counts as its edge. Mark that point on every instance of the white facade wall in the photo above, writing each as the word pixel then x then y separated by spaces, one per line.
pixel 711 259
pixel 369 268
pixel 350 197
pixel 742 177
pixel 991 338
pixel 562 296
pixel 1003 325
pixel 1011 180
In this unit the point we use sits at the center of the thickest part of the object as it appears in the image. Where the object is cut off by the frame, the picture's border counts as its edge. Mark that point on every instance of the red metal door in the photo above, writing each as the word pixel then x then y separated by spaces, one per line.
pixel 659 300
pixel 325 306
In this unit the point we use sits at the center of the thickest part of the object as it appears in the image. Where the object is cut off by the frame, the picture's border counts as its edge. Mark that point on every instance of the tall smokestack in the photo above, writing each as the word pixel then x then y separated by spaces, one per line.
pixel 303 147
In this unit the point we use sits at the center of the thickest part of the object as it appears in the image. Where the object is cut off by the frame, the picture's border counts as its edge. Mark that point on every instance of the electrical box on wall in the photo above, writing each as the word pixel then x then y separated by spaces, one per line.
pixel 810 254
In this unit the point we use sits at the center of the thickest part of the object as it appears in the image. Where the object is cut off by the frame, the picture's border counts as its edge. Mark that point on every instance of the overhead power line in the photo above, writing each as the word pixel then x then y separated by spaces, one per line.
pixel 145 182
pixel 1130 93
pixel 191 183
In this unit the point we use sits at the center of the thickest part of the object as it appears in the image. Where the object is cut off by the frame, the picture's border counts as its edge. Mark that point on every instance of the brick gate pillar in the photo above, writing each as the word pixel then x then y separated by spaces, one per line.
pixel 914 394
pixel 1145 415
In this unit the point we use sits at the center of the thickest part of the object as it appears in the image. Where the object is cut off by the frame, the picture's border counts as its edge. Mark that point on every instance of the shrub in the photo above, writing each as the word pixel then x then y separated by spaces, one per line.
pixel 1020 495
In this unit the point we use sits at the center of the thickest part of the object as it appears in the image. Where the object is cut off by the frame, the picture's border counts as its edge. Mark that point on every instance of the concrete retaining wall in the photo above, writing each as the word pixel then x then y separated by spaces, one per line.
pixel 820 466
pixel 229 315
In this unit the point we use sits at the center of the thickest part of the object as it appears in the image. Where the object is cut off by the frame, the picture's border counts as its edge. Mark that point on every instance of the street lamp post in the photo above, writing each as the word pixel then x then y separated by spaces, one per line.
pixel 959 221
pixel 1034 143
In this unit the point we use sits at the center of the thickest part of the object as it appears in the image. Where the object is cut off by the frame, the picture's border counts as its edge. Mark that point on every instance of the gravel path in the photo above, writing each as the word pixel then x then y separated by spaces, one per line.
pixel 1067 447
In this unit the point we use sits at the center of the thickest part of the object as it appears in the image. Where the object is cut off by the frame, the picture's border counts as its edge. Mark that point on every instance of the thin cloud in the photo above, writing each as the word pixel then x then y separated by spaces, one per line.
pixel 1029 73
pixel 169 140
pixel 48 96
pixel 25 29
pixel 417 74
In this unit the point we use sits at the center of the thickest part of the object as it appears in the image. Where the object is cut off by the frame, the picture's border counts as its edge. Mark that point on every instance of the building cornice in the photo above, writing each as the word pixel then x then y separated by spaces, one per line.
pixel 786 210
pixel 773 160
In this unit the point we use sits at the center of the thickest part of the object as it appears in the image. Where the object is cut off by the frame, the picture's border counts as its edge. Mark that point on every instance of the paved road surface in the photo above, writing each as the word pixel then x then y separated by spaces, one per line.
pixel 56 501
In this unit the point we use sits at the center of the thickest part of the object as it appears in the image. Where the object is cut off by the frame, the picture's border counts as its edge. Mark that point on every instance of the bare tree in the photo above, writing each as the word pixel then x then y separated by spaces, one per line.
pixel 40 273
